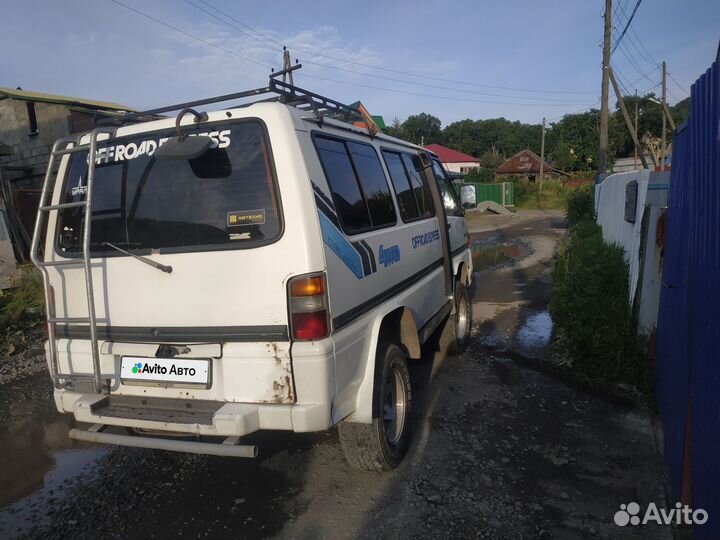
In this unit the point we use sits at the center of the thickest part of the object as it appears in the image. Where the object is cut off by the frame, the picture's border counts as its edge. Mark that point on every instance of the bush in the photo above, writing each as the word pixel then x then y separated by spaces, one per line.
pixel 24 301
pixel 580 205
pixel 481 175
pixel 530 195
pixel 593 322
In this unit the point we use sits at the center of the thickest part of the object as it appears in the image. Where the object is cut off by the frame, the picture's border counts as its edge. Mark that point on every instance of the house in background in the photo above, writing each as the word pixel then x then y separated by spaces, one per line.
pixel 627 164
pixel 452 160
pixel 526 165
pixel 30 122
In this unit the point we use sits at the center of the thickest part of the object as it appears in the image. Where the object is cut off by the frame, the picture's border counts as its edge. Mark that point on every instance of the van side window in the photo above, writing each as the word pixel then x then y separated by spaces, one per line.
pixel 374 184
pixel 358 184
pixel 345 190
pixel 420 188
pixel 412 191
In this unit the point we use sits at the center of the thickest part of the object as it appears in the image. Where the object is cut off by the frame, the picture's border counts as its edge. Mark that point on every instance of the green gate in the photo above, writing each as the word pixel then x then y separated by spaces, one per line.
pixel 502 193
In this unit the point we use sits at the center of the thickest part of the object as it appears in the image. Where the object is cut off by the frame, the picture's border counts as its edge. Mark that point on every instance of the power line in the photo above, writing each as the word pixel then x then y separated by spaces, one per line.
pixel 632 61
pixel 631 85
pixel 620 78
pixel 451 98
pixel 474 92
pixel 632 15
pixel 373 75
pixel 645 76
pixel 250 28
pixel 677 84
pixel 188 34
pixel 635 40
pixel 396 71
pixel 590 106
pixel 264 44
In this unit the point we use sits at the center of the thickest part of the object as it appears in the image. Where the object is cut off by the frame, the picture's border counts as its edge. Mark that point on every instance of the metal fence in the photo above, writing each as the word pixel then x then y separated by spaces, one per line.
pixel 502 193
pixel 688 362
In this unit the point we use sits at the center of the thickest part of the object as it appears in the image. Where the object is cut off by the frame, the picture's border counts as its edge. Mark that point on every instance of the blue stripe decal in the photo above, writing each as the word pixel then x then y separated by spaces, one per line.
pixel 340 246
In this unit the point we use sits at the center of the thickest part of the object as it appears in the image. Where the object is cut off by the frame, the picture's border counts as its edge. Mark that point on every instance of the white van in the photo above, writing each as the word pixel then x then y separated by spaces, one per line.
pixel 264 267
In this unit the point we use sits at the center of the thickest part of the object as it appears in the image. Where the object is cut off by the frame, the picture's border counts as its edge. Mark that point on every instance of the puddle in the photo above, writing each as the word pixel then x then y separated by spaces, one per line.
pixel 535 332
pixel 487 256
pixel 38 462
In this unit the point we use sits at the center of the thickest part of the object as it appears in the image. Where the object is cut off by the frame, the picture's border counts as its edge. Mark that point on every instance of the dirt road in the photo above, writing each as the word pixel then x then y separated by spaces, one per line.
pixel 501 450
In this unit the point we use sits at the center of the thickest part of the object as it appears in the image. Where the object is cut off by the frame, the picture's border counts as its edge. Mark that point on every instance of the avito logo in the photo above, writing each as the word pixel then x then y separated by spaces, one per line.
pixel 388 256
pixel 157 369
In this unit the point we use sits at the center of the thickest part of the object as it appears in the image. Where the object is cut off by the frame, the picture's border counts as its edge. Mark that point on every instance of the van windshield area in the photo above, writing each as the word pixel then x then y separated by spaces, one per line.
pixel 226 198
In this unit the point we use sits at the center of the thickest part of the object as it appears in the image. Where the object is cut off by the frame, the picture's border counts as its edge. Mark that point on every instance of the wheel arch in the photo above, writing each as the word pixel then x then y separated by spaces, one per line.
pixel 400 327
pixel 463 273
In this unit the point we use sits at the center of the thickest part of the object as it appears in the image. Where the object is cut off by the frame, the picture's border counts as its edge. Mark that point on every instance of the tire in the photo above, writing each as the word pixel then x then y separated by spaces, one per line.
pixel 382 444
pixel 461 320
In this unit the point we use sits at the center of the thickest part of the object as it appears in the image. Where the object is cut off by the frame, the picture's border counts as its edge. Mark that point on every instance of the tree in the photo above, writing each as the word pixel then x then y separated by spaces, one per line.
pixel 395 128
pixel 422 128
pixel 574 140
pixel 653 145
pixel 492 158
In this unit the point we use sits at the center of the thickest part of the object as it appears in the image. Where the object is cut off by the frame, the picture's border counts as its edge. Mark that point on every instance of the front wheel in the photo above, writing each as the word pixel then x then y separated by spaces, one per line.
pixel 381 445
pixel 460 320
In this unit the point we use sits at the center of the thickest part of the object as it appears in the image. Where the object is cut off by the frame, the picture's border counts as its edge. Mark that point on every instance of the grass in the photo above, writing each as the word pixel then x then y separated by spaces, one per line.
pixel 551 196
pixel 595 331
pixel 21 308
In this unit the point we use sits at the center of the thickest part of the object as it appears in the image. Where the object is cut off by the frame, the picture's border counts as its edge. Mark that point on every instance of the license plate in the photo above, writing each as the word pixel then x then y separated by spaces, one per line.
pixel 169 370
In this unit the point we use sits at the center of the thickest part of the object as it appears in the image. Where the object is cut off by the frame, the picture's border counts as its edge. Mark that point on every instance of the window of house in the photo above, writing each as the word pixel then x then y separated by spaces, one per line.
pixel 358 184
pixel 32 117
pixel 413 193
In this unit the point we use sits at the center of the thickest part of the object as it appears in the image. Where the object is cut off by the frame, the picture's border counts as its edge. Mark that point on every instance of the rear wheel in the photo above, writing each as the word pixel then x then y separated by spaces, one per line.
pixel 461 320
pixel 381 445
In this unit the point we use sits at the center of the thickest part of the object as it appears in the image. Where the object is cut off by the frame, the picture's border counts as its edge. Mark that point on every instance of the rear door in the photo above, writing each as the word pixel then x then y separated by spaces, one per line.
pixel 219 222
pixel 212 218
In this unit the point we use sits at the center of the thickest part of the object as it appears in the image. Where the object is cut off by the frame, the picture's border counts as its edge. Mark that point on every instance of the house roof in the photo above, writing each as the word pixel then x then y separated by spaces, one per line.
pixel 448 155
pixel 525 161
pixel 26 95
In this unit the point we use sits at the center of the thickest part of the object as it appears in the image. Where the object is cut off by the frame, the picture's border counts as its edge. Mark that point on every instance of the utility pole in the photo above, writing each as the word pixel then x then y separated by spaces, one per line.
pixel 624 110
pixel 664 126
pixel 542 154
pixel 287 65
pixel 605 94
pixel 636 127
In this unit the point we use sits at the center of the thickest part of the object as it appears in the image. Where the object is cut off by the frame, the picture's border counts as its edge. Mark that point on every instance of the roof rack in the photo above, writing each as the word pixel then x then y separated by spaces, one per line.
pixel 283 92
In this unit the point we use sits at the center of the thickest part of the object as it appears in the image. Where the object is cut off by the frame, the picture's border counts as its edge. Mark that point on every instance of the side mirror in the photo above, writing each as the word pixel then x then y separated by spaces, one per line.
pixel 468 196
pixel 184 147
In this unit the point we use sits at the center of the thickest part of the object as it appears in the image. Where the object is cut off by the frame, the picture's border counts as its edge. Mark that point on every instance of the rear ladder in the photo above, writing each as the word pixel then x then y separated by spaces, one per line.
pixel 61 148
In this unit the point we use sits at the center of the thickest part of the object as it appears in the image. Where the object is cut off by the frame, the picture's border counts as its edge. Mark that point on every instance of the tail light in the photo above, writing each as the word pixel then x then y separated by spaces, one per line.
pixel 308 307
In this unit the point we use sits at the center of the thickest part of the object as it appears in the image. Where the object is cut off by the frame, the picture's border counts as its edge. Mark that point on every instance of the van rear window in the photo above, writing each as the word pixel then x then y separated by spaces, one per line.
pixel 226 198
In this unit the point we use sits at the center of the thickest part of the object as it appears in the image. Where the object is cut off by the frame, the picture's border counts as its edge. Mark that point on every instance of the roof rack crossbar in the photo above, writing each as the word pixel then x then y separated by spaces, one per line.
pixel 225 97
pixel 288 94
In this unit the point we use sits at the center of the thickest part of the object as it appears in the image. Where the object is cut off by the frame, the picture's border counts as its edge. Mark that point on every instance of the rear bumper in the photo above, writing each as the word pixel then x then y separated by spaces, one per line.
pixel 230 419
pixel 234 414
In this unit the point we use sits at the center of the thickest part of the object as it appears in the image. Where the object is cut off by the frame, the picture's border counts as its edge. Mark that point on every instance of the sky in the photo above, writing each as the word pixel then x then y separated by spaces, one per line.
pixel 518 59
